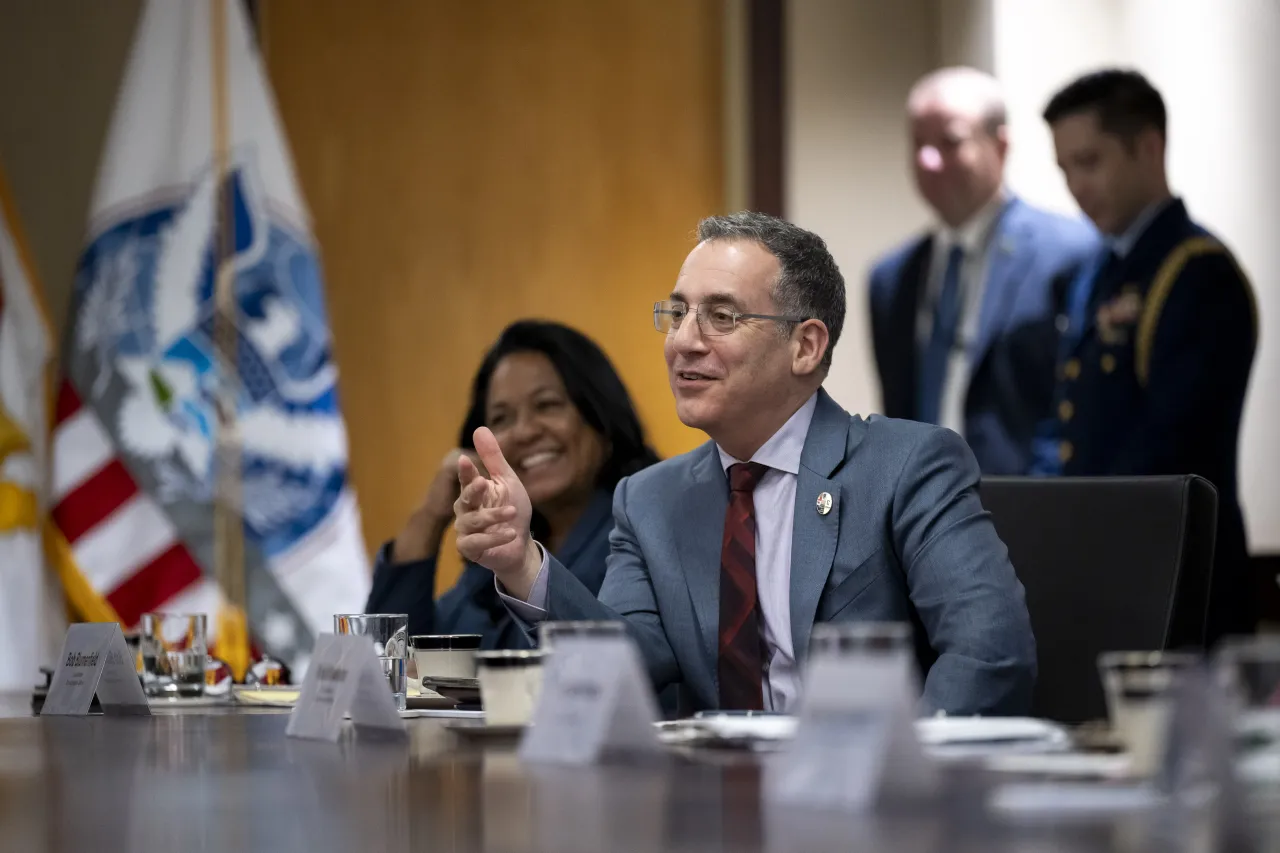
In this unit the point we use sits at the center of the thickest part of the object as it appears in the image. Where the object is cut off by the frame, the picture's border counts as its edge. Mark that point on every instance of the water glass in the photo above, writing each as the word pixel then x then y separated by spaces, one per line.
pixel 393 670
pixel 1139 688
pixel 1248 669
pixel 549 632
pixel 389 633
pixel 878 639
pixel 174 647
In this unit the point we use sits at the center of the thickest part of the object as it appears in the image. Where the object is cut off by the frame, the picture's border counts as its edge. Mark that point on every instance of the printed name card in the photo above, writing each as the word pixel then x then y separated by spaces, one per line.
pixel 344 678
pixel 95 659
pixel 596 702
pixel 855 742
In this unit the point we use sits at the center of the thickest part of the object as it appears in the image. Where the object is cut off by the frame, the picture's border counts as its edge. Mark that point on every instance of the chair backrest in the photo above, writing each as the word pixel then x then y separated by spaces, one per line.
pixel 1108 564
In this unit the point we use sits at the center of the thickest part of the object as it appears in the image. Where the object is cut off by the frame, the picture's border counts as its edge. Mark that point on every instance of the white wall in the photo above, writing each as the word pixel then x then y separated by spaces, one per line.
pixel 849 66
pixel 1216 65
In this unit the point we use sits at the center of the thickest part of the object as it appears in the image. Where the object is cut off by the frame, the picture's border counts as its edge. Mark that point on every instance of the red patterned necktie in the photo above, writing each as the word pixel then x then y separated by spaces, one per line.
pixel 741 668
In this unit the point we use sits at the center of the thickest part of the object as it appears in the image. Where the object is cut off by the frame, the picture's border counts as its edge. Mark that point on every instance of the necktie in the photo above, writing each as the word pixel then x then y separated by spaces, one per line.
pixel 741 668
pixel 937 353
pixel 1106 280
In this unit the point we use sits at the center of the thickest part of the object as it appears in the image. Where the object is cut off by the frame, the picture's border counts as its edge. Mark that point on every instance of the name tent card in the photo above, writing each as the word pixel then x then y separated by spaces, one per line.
pixel 596 702
pixel 95 659
pixel 1204 801
pixel 344 678
pixel 855 742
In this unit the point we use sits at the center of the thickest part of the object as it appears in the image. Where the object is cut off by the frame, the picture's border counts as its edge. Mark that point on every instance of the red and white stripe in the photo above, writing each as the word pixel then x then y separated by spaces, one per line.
pixel 124 544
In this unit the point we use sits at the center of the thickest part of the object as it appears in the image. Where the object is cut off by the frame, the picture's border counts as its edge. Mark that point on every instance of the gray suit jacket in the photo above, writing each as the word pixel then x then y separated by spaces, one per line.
pixel 906 540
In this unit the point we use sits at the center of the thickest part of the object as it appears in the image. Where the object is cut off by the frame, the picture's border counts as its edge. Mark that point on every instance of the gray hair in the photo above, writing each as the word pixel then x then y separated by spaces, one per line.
pixel 810 284
pixel 968 88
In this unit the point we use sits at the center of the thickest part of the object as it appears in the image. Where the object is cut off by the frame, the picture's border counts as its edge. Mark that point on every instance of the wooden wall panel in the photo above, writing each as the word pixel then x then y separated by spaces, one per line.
pixel 471 162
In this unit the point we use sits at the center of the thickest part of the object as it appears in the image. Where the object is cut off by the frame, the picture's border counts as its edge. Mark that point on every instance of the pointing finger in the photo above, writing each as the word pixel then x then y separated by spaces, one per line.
pixel 491 453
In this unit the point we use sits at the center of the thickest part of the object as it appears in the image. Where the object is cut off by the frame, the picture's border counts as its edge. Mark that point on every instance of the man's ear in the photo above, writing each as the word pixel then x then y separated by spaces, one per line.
pixel 809 344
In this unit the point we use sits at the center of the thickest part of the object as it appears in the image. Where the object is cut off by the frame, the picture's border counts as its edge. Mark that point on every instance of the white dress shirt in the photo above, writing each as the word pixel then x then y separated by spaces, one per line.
pixel 1123 244
pixel 974 237
pixel 775 507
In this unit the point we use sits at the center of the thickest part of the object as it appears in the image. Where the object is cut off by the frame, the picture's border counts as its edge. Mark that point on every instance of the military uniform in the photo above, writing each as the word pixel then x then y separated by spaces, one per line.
pixel 1157 346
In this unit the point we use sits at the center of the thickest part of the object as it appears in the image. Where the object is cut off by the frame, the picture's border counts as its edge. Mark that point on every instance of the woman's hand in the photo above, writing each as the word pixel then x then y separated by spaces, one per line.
pixel 422 533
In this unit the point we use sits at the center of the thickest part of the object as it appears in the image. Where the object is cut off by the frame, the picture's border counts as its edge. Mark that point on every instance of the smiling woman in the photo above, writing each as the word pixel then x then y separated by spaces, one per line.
pixel 566 424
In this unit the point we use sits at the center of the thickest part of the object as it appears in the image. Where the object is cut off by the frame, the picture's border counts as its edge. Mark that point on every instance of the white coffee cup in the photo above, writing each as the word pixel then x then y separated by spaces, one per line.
pixel 510 684
pixel 445 655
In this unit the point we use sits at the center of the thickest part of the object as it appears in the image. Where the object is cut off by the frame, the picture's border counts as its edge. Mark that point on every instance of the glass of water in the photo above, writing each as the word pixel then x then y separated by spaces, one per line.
pixel 1139 688
pixel 389 633
pixel 1248 669
pixel 840 639
pixel 174 647
pixel 549 632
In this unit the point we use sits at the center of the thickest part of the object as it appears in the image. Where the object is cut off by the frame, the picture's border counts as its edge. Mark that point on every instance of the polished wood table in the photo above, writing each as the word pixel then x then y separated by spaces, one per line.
pixel 227 780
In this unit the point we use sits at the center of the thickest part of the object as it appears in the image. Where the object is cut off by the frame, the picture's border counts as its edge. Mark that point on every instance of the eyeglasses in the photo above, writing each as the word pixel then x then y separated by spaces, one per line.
pixel 713 318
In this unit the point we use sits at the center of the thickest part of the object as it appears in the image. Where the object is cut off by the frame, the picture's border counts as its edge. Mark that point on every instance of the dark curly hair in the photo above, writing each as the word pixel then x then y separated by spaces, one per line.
pixel 593 385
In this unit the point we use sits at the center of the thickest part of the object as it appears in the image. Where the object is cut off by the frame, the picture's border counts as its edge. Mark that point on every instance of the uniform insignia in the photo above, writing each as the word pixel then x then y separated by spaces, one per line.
pixel 1117 317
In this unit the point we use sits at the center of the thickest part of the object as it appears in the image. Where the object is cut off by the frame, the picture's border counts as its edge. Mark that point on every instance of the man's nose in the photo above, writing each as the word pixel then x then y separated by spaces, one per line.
pixel 929 158
pixel 688 336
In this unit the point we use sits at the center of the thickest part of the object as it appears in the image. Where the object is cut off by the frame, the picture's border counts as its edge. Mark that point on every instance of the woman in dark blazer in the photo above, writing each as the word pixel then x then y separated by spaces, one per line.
pixel 565 422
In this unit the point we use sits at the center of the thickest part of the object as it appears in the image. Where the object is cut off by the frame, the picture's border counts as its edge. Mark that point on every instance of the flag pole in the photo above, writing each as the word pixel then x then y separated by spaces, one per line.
pixel 228 524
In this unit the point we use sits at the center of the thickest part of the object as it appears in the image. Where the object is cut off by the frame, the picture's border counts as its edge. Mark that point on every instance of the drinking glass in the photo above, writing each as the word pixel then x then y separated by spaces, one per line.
pixel 1248 668
pixel 873 638
pixel 1139 688
pixel 389 632
pixel 549 632
pixel 174 647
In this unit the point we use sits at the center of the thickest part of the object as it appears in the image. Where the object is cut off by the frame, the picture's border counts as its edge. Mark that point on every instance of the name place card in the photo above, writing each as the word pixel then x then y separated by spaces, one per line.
pixel 596 703
pixel 95 659
pixel 344 678
pixel 855 742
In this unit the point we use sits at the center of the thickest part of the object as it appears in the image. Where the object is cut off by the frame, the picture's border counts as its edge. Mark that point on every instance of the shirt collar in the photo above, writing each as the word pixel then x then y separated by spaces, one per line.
pixel 783 449
pixel 1123 244
pixel 973 233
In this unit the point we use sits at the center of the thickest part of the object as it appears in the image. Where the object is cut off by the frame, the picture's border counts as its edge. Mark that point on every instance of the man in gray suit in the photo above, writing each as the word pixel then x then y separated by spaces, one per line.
pixel 721 566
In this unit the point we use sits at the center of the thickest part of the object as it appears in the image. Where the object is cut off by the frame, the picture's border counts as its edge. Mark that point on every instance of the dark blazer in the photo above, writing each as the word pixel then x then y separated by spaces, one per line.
pixel 906 540
pixel 1033 257
pixel 472 606
pixel 1159 386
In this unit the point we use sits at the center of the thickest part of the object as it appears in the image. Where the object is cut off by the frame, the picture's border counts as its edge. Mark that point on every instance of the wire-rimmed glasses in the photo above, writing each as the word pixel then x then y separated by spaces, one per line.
pixel 713 318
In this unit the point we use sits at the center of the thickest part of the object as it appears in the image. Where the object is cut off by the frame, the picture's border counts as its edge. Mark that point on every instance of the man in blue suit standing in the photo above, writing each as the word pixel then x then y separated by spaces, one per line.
pixel 722 559
pixel 963 316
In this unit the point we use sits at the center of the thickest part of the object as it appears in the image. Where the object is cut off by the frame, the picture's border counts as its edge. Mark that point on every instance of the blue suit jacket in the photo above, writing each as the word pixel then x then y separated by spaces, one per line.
pixel 472 605
pixel 1034 256
pixel 1161 389
pixel 906 540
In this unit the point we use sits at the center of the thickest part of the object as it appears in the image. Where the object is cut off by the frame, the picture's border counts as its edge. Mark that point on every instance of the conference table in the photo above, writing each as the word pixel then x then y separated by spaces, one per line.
pixel 228 779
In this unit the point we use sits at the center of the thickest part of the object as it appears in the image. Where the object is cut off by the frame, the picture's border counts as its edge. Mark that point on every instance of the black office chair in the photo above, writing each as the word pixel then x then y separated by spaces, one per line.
pixel 1109 564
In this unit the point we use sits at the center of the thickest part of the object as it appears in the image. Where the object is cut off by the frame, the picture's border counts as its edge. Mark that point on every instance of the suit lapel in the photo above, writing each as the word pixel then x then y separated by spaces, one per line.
pixel 698 542
pixel 1011 253
pixel 814 534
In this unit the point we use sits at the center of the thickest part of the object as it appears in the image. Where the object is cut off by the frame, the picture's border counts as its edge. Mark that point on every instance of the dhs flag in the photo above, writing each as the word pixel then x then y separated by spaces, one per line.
pixel 136 419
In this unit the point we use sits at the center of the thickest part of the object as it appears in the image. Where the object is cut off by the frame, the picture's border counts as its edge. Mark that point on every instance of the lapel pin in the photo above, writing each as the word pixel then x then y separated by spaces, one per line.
pixel 824 503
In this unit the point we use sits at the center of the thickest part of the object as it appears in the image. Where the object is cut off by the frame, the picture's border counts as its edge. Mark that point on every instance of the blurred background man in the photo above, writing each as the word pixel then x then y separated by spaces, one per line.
pixel 962 316
pixel 1161 328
